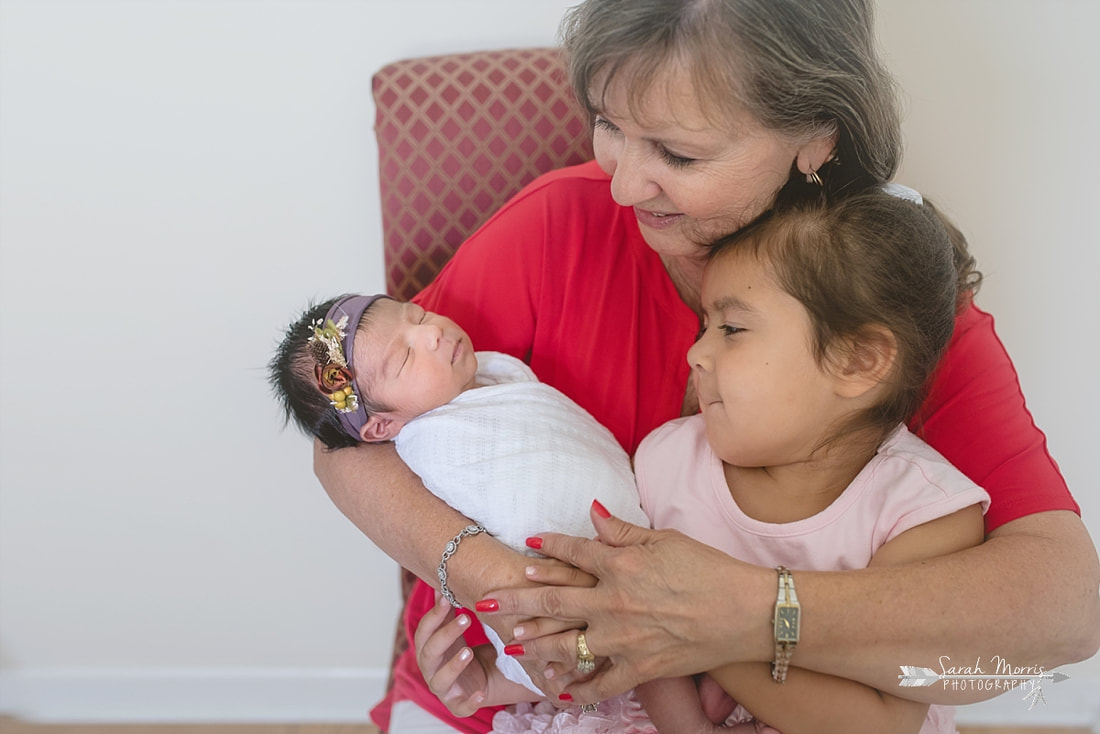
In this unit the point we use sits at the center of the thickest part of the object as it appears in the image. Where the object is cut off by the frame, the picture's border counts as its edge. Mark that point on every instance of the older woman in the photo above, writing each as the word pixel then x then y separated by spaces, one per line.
pixel 703 112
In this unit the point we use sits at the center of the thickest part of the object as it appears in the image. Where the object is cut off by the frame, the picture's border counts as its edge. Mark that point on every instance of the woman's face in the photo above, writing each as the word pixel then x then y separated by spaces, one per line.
pixel 688 178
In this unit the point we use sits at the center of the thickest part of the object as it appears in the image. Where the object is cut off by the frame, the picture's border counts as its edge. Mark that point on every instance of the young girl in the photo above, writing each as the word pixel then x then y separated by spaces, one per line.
pixel 821 327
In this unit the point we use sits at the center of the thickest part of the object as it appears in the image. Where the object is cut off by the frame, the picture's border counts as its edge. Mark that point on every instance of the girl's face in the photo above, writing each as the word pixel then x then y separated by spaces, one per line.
pixel 688 180
pixel 410 361
pixel 765 400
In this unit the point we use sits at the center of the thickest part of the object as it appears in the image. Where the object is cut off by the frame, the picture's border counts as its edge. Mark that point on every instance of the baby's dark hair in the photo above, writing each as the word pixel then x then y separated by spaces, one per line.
pixel 291 374
pixel 870 260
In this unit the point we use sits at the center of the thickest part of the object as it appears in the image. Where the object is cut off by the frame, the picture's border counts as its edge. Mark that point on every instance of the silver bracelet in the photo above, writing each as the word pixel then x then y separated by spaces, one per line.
pixel 450 550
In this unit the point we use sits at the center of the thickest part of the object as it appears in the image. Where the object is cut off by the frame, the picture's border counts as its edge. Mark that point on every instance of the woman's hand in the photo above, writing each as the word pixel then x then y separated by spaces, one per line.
pixel 553 572
pixel 549 572
pixel 662 607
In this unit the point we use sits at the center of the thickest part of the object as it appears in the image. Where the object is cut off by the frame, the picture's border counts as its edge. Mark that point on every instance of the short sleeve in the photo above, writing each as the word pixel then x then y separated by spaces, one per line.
pixel 976 416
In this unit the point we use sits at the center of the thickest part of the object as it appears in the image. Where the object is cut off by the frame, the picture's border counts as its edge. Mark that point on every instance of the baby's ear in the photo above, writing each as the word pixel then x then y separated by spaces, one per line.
pixel 865 361
pixel 380 427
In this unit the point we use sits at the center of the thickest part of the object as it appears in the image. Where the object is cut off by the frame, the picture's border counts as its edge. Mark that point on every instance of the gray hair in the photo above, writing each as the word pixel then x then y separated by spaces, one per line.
pixel 803 68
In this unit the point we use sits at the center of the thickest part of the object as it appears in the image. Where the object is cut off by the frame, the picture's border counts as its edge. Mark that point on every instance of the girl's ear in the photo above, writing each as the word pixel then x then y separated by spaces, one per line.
pixel 865 361
pixel 380 427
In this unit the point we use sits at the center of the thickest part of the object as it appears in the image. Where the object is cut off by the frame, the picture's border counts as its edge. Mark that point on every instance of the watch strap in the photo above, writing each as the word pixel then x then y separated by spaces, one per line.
pixel 786 600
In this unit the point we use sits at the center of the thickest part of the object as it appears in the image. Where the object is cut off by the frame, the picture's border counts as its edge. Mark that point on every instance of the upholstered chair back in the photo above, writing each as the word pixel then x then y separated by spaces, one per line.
pixel 458 135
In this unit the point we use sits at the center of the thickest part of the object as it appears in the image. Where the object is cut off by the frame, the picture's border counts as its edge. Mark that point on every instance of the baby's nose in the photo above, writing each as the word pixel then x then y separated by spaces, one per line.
pixel 432 335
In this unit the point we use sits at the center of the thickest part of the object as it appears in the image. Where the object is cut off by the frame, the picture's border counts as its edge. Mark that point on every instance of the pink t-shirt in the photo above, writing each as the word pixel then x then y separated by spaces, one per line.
pixel 682 486
pixel 907 483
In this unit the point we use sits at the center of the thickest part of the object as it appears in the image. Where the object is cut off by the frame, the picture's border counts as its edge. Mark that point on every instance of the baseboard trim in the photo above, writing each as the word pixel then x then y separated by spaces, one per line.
pixel 346 694
pixel 192 695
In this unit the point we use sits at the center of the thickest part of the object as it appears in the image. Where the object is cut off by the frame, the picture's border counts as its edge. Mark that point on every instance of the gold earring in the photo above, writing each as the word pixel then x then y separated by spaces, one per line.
pixel 813 178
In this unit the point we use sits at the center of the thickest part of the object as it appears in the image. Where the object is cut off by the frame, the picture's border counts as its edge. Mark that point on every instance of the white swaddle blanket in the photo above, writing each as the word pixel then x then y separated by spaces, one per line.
pixel 521 458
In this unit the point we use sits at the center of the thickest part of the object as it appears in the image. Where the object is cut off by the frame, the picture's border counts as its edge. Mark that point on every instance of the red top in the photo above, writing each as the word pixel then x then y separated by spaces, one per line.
pixel 561 278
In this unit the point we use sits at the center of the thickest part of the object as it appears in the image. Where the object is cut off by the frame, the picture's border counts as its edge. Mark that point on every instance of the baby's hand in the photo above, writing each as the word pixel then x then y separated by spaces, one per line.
pixel 717 704
pixel 445 660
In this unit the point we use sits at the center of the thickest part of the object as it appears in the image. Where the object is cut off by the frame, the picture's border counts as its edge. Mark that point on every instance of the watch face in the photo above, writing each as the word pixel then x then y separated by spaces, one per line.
pixel 786 624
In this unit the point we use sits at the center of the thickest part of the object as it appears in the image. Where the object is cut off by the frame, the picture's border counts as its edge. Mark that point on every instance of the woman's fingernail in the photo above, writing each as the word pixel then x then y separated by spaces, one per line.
pixel 530 571
pixel 565 697
pixel 517 631
pixel 465 655
pixel 535 543
pixel 513 649
pixel 487 605
pixel 463 620
pixel 600 509
pixel 548 674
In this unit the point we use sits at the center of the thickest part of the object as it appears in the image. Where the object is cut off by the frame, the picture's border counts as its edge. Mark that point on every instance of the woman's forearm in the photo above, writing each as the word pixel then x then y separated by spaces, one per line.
pixel 389 504
pixel 1028 596
pixel 382 497
pixel 666 605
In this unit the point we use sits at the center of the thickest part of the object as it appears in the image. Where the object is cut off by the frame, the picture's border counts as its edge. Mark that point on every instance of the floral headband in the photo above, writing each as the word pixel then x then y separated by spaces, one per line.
pixel 332 347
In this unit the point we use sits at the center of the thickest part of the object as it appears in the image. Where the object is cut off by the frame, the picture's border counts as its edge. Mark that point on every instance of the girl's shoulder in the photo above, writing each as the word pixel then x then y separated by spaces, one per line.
pixel 976 416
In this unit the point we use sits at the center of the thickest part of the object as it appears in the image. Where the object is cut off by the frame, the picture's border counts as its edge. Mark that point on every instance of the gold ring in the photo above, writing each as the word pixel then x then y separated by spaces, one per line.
pixel 586 661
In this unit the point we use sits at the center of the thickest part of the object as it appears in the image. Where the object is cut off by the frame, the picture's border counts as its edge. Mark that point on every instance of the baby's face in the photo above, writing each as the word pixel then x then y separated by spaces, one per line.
pixel 412 361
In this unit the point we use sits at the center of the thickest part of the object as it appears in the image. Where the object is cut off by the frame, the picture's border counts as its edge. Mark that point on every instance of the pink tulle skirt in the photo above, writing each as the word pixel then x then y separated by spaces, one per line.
pixel 619 715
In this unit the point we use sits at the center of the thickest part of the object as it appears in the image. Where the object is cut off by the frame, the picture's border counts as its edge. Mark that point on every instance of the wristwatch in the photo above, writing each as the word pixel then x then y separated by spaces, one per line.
pixel 788 614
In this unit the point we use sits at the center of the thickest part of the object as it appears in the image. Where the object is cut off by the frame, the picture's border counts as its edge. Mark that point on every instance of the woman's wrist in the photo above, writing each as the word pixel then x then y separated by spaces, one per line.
pixel 753 609
pixel 482 565
pixel 448 552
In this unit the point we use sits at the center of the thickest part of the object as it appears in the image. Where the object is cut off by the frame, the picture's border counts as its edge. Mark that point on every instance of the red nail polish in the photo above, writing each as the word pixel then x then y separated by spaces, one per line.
pixel 565 697
pixel 600 509
pixel 487 605
pixel 535 543
pixel 513 649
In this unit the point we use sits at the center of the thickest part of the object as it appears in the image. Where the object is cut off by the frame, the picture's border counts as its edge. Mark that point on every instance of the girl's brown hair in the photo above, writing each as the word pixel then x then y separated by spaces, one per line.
pixel 865 262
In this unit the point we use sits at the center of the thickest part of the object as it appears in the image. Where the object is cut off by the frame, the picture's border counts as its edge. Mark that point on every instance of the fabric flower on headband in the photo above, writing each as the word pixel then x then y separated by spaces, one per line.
pixel 334 378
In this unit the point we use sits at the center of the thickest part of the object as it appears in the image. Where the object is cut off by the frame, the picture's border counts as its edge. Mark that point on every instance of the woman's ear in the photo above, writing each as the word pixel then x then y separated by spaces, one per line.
pixel 865 361
pixel 816 153
pixel 380 427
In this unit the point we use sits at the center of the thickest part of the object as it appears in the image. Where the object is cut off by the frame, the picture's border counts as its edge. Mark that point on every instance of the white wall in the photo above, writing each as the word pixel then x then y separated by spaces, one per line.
pixel 176 178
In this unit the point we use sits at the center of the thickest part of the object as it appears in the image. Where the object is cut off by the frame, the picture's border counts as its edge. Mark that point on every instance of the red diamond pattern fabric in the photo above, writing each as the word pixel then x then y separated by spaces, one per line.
pixel 458 135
